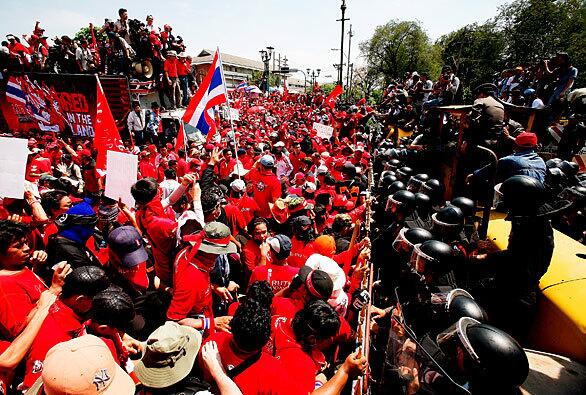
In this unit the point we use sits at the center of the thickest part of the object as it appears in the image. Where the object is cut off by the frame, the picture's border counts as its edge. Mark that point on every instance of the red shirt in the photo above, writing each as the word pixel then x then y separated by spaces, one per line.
pixel 265 376
pixel 182 68
pixel 284 346
pixel 286 307
pixel 296 160
pixel 267 189
pixel 247 207
pixel 61 325
pixel 300 251
pixel 90 178
pixel 235 219
pixel 38 165
pixel 192 292
pixel 225 168
pixel 170 66
pixel 251 255
pixel 147 169
pixel 279 278
pixel 19 293
pixel 160 230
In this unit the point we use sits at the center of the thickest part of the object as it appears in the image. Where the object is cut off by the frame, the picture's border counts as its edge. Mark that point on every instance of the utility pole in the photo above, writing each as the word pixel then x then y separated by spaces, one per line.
pixel 341 69
pixel 350 34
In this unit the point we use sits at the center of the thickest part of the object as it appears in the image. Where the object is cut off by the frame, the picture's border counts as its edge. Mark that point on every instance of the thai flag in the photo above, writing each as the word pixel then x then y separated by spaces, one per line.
pixel 211 93
pixel 242 85
pixel 14 92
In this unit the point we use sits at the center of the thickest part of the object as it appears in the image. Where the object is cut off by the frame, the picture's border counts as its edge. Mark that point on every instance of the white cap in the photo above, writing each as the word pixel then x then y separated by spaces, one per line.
pixel 238 185
pixel 280 144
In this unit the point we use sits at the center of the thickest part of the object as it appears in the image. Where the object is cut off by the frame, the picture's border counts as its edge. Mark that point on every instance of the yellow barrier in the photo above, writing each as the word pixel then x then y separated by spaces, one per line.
pixel 560 324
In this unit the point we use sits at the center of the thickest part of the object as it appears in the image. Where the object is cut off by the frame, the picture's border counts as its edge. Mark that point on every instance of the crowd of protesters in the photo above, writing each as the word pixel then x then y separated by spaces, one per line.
pixel 241 267
pixel 126 47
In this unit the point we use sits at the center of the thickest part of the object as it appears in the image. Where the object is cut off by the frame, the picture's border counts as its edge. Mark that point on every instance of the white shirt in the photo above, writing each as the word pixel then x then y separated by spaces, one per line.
pixel 284 167
pixel 136 121
pixel 84 56
pixel 167 187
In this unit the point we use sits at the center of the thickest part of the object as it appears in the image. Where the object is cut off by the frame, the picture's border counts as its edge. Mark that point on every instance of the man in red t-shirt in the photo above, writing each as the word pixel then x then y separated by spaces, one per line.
pixel 296 156
pixel 171 79
pixel 278 274
pixel 253 371
pixel 20 288
pixel 192 295
pixel 38 166
pixel 245 204
pixel 267 187
pixel 256 250
pixel 299 347
pixel 183 70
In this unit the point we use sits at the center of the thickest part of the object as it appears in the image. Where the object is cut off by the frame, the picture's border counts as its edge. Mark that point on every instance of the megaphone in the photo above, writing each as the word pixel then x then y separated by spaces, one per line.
pixel 143 69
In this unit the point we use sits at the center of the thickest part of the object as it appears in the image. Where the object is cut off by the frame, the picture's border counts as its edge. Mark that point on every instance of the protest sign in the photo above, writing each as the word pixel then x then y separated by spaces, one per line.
pixel 234 114
pixel 13 158
pixel 121 175
pixel 323 131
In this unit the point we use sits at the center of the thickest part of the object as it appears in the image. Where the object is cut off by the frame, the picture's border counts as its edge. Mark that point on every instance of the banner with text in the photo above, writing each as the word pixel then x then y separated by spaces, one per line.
pixel 323 131
pixel 49 102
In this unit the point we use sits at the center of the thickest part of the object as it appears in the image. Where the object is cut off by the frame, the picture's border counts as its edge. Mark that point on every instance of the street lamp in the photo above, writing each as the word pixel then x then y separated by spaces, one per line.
pixel 313 74
pixel 266 56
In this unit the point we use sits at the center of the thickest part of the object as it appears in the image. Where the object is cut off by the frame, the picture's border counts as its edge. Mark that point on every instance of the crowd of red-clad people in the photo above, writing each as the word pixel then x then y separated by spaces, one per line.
pixel 234 273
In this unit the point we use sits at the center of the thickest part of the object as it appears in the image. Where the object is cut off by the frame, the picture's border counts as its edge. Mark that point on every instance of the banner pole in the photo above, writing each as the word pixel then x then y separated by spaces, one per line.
pixel 229 109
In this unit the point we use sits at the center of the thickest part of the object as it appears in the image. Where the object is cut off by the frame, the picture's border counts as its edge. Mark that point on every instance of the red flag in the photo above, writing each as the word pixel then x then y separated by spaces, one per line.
pixel 180 140
pixel 106 136
pixel 331 99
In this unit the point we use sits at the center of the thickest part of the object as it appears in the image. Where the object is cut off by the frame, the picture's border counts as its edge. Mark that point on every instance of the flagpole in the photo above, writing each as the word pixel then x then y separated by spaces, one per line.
pixel 229 110
pixel 184 140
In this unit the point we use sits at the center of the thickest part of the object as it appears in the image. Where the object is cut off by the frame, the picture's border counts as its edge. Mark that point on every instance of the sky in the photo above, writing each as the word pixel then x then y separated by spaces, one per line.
pixel 305 31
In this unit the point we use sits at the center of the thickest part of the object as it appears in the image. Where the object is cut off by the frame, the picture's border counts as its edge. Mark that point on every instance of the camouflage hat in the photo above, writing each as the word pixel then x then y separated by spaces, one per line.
pixel 216 239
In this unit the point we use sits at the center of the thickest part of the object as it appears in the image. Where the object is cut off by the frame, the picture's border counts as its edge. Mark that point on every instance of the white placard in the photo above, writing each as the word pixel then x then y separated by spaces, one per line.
pixel 13 158
pixel 235 114
pixel 323 131
pixel 121 174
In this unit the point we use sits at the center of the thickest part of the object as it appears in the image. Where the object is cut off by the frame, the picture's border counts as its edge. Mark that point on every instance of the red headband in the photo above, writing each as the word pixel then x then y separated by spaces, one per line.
pixel 310 287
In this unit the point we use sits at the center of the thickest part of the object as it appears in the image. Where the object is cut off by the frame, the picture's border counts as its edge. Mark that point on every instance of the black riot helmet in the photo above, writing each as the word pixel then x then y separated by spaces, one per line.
pixel 434 189
pixel 396 186
pixel 554 162
pixel 416 181
pixel 465 204
pixel 404 173
pixel 401 203
pixel 422 204
pixel 387 179
pixel 448 222
pixel 461 304
pixel 493 358
pixel 408 238
pixel 570 169
pixel 432 256
pixel 394 164
pixel 525 196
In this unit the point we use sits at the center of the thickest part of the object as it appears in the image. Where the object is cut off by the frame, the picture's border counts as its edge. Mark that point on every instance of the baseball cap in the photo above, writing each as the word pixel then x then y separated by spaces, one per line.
pixel 126 242
pixel 299 176
pixel 82 366
pixel 267 161
pixel 169 355
pixel 280 144
pixel 526 139
pixel 239 170
pixel 309 187
pixel 216 239
pixel 325 245
pixel 318 283
pixel 281 245
pixel 238 185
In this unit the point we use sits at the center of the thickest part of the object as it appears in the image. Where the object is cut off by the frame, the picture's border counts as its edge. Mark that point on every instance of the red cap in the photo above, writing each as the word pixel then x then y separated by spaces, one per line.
pixel 526 139
pixel 300 176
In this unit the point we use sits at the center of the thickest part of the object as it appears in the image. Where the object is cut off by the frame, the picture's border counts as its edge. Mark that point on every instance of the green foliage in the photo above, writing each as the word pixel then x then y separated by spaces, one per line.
pixel 397 47
pixel 85 33
pixel 475 51
pixel 327 88
pixel 523 33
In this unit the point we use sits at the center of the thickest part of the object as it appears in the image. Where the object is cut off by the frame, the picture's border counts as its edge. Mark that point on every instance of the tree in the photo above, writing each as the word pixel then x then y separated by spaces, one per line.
pixel 365 80
pixel 398 47
pixel 85 33
pixel 537 29
pixel 475 51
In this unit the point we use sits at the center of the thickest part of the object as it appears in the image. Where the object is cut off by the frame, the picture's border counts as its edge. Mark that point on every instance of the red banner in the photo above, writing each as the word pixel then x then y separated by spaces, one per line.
pixel 50 102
